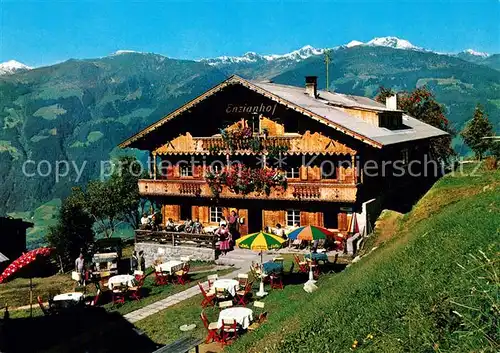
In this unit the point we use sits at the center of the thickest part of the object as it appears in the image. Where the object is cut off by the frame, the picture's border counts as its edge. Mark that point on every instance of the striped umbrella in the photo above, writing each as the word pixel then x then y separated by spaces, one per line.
pixel 260 242
pixel 310 233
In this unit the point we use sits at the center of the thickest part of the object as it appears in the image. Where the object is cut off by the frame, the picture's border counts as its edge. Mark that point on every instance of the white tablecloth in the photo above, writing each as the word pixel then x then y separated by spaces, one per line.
pixel 171 266
pixel 68 296
pixel 231 285
pixel 243 316
pixel 128 280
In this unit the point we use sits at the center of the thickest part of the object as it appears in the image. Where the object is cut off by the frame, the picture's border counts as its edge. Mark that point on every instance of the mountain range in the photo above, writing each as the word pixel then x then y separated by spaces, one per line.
pixel 80 109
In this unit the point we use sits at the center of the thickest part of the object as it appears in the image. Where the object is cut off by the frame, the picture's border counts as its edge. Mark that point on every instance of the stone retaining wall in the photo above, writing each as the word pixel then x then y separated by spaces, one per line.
pixel 154 251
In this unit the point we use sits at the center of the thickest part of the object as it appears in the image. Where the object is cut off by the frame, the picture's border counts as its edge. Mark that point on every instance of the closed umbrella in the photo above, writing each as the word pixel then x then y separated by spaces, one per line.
pixel 23 261
pixel 260 241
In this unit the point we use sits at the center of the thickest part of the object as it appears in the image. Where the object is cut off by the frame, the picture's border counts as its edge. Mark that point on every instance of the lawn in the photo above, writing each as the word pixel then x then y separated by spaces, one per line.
pixel 432 286
pixel 163 327
pixel 153 293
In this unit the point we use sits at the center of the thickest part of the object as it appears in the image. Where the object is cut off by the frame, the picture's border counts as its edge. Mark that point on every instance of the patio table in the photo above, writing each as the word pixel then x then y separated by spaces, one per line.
pixel 272 267
pixel 318 257
pixel 127 280
pixel 243 316
pixel 171 266
pixel 75 296
pixel 231 285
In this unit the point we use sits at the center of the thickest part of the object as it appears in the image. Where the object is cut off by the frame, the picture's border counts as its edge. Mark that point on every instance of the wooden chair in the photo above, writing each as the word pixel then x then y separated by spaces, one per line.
pixel 211 279
pixel 161 278
pixel 45 311
pixel 211 328
pixel 208 299
pixel 229 331
pixel 118 294
pixel 242 280
pixel 93 301
pixel 241 295
pixel 221 294
pixel 261 318
pixel 226 304
pixel 303 267
pixel 182 276
pixel 276 281
pixel 136 291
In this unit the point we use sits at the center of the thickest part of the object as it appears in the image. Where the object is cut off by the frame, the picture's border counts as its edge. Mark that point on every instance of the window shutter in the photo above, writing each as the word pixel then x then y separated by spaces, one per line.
pixel 342 221
pixel 303 173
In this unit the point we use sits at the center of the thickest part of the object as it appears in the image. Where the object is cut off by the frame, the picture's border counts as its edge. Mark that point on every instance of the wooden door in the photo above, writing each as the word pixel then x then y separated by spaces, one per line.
pixel 243 215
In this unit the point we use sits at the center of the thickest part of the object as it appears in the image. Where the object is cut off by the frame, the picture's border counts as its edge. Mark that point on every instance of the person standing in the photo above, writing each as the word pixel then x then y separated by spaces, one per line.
pixel 224 238
pixel 80 268
pixel 233 224
pixel 142 261
pixel 134 262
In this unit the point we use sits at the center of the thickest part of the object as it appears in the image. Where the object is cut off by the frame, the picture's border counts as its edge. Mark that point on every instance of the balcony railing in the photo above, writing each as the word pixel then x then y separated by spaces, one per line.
pixel 296 190
pixel 292 143
pixel 176 238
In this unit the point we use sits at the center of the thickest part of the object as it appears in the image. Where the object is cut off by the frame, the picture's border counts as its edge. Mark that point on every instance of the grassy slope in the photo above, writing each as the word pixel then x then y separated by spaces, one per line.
pixel 421 291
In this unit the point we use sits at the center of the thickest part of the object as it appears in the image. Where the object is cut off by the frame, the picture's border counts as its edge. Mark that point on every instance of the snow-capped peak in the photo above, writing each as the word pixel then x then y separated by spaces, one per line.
pixel 125 51
pixel 392 42
pixel 354 43
pixel 12 66
pixel 249 57
pixel 476 53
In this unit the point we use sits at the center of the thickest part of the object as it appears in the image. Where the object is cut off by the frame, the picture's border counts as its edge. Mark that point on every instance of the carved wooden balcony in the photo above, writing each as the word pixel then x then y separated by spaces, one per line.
pixel 292 143
pixel 313 190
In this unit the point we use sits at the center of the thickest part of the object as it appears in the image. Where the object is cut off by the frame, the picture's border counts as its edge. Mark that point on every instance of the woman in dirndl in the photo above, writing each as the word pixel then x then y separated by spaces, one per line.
pixel 224 238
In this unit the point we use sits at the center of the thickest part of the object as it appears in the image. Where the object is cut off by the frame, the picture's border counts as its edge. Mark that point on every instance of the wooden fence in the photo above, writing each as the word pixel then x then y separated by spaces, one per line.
pixel 176 238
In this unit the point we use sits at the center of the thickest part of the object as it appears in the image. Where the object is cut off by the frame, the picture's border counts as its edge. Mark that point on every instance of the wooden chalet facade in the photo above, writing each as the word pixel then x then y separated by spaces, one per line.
pixel 319 140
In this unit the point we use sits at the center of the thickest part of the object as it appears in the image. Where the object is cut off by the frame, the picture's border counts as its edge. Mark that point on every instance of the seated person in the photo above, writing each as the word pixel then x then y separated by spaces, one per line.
pixel 280 231
pixel 144 222
pixel 170 225
pixel 188 226
pixel 197 226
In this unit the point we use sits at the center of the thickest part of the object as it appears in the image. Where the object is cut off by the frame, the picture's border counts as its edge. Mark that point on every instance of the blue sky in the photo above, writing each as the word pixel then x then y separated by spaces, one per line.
pixel 45 32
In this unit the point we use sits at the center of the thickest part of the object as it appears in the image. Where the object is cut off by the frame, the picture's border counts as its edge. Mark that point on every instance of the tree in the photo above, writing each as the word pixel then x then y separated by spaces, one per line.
pixel 73 232
pixel 116 199
pixel 422 105
pixel 474 131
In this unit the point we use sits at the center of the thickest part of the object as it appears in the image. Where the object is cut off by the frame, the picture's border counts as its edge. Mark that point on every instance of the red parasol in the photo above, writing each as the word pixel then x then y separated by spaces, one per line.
pixel 24 260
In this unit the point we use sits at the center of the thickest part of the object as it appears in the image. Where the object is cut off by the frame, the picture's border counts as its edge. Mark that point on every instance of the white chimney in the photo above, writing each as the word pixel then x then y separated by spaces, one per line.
pixel 391 102
pixel 312 86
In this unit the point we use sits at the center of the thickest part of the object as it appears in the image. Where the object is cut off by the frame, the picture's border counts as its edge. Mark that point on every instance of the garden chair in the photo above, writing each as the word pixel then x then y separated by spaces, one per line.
pixel 241 295
pixel 211 327
pixel 221 294
pixel 276 281
pixel 208 299
pixel 261 318
pixel 92 301
pixel 211 279
pixel 136 291
pixel 182 276
pixel 45 311
pixel 303 267
pixel 118 294
pixel 226 304
pixel 229 331
pixel 161 278
pixel 242 280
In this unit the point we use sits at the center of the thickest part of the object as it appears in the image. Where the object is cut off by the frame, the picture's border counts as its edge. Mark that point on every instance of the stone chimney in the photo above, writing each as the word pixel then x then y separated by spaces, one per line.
pixel 312 86
pixel 391 102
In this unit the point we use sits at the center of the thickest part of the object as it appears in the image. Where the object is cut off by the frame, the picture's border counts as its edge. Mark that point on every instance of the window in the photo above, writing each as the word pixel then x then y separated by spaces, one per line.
pixel 405 156
pixel 215 214
pixel 328 171
pixel 292 218
pixel 292 172
pixel 186 171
